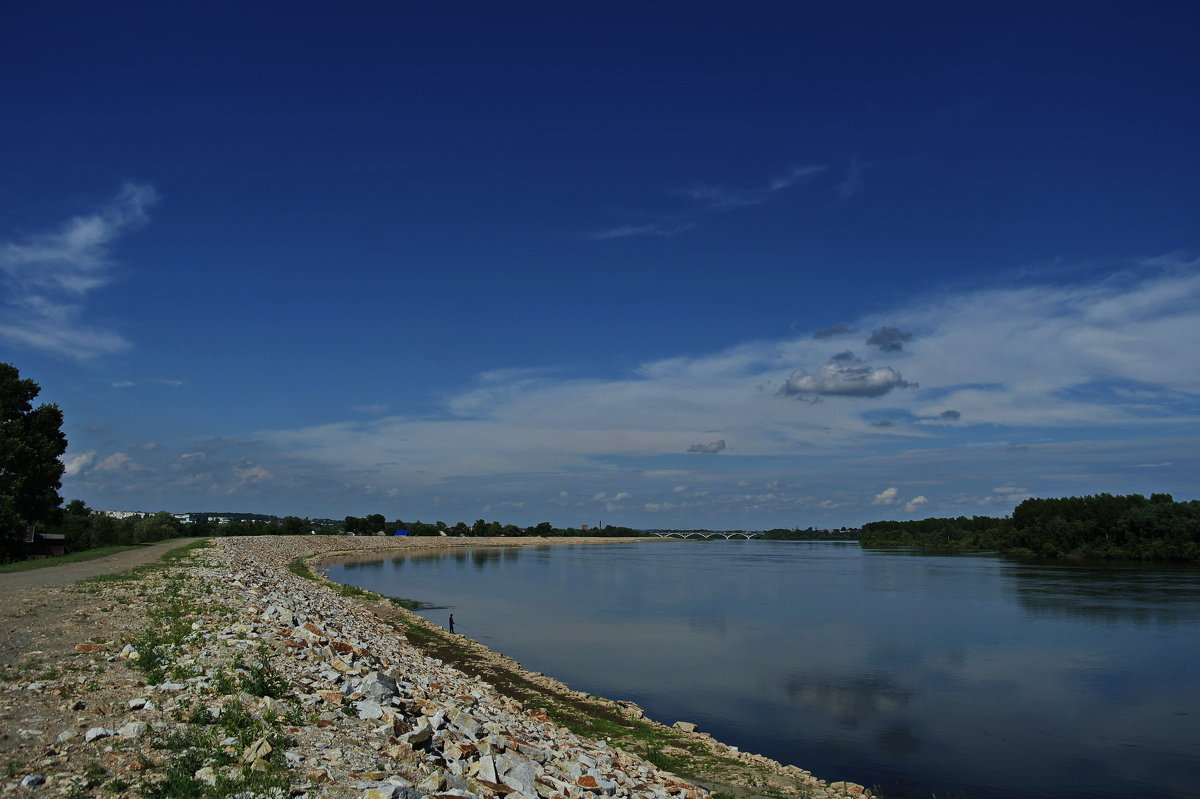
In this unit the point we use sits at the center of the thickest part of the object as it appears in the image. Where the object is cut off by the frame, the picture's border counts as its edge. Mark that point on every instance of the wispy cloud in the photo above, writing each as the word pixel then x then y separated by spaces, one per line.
pixel 851 183
pixel 708 198
pixel 47 277
pixel 725 198
pixel 664 229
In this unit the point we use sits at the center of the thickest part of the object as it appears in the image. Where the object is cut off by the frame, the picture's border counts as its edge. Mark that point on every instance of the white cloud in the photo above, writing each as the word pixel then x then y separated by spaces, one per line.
pixel 848 381
pixel 915 503
pixel 1031 368
pixel 252 474
pixel 886 497
pixel 114 462
pixel 74 464
pixel 47 277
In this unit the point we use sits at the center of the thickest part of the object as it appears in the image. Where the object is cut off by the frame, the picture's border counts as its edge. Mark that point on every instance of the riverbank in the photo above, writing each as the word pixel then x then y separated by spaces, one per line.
pixel 227 673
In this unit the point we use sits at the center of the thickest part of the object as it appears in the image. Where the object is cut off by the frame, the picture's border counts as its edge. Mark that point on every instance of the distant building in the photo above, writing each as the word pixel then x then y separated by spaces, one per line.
pixel 124 514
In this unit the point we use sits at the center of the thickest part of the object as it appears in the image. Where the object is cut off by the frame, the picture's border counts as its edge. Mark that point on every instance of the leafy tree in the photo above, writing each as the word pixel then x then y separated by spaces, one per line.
pixel 292 525
pixel 31 442
pixel 157 527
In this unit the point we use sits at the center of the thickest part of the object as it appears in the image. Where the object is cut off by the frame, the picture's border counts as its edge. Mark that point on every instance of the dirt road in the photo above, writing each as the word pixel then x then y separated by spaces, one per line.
pixel 71 572
pixel 45 617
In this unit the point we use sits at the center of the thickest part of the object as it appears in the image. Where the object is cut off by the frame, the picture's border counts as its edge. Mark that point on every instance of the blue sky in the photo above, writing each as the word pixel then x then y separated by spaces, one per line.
pixel 722 265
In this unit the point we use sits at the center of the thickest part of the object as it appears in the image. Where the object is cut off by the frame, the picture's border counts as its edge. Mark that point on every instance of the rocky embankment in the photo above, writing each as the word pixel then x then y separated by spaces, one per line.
pixel 230 675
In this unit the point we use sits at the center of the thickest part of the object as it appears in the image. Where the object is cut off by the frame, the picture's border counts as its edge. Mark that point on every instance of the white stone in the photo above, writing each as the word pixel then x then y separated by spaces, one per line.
pixel 134 729
pixel 96 733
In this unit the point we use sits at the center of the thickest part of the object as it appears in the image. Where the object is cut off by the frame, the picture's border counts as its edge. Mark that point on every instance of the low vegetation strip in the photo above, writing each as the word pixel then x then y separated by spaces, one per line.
pixel 222 672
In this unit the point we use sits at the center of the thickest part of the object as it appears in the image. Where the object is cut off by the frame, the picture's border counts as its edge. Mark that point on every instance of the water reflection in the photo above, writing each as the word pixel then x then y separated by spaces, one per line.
pixel 959 675
pixel 1115 593
pixel 852 700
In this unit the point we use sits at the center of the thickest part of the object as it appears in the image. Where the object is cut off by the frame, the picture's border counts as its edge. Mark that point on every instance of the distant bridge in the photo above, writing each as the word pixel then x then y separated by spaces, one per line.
pixel 695 534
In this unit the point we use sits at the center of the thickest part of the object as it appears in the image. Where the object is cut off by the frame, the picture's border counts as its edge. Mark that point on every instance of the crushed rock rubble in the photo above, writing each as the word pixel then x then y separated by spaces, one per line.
pixel 381 719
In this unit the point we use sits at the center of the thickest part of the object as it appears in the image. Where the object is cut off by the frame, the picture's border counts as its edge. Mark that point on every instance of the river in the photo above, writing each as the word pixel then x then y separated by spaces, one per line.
pixel 966 675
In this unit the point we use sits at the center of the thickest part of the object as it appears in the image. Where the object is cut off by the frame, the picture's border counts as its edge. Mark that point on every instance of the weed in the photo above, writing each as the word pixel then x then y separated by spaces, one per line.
pixel 413 604
pixel 262 679
pixel 151 654
pixel 94 772
pixel 295 715
pixel 299 568
pixel 656 757
pixel 10 767
pixel 198 714
pixel 196 745
pixel 224 683
pixel 354 592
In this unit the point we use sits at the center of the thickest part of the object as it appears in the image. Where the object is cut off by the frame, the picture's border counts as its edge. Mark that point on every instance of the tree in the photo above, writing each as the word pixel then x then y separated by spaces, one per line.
pixel 292 525
pixel 31 442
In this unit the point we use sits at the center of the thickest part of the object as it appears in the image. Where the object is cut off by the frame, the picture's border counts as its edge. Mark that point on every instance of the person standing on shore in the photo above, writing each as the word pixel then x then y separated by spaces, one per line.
pixel 451 623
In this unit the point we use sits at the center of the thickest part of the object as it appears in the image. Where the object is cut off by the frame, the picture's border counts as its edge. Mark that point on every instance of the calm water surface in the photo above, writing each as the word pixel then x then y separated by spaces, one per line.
pixel 969 676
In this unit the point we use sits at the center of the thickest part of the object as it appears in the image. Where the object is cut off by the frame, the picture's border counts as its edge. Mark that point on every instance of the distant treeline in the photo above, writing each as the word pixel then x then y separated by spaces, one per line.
pixel 85 529
pixel 1103 526
pixel 784 534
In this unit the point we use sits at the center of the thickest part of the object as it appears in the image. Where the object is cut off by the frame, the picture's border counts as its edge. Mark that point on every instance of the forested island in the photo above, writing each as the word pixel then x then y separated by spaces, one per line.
pixel 1101 526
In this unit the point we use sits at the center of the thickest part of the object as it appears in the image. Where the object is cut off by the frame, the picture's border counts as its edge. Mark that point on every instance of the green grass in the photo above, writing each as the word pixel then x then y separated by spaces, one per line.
pixel 59 560
pixel 299 568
